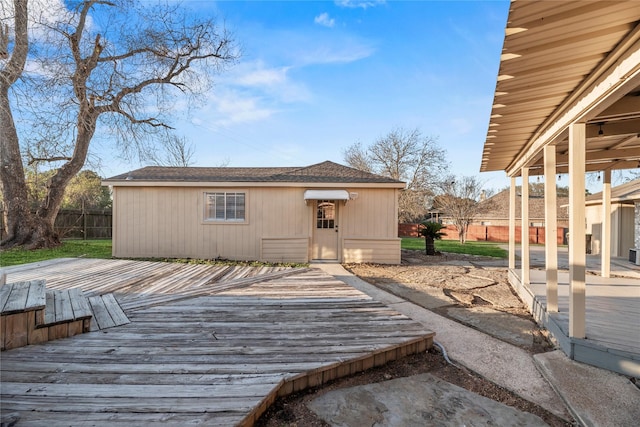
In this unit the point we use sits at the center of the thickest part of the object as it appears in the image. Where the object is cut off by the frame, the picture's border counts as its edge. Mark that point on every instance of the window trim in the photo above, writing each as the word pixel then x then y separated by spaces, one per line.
pixel 205 207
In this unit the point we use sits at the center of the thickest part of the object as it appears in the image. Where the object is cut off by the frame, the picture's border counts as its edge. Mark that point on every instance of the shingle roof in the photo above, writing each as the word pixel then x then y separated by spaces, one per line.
pixel 325 172
pixel 627 192
pixel 498 207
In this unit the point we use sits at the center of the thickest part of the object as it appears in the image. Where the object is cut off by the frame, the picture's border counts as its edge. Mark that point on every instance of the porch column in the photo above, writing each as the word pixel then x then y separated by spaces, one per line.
pixel 605 239
pixel 512 224
pixel 524 244
pixel 577 247
pixel 551 227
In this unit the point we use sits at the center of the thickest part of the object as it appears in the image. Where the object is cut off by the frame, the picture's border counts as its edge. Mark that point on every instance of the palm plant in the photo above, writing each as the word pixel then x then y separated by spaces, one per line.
pixel 431 232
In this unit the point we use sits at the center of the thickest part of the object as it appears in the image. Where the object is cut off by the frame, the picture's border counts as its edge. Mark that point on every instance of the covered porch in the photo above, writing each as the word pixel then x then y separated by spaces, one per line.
pixel 567 102
pixel 612 341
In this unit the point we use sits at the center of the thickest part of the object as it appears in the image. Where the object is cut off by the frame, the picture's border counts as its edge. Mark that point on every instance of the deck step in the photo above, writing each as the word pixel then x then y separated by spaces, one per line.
pixel 66 314
pixel 32 314
pixel 22 296
pixel 22 306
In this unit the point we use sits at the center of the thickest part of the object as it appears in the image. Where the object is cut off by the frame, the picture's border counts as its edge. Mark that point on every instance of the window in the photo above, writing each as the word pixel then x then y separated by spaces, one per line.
pixel 325 215
pixel 224 207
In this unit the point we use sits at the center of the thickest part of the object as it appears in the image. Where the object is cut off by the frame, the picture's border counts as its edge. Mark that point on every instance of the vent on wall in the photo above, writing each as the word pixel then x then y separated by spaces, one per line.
pixel 634 256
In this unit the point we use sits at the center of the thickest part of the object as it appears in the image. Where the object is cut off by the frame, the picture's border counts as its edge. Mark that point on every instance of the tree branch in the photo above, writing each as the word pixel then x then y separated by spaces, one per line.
pixel 33 160
pixel 13 68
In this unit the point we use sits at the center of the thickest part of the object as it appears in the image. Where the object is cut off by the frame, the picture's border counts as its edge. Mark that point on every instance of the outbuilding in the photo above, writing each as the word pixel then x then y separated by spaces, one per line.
pixel 324 212
pixel 625 200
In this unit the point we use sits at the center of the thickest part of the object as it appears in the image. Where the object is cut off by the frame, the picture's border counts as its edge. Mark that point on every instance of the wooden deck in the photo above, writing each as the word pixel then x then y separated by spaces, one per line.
pixel 212 346
pixel 612 319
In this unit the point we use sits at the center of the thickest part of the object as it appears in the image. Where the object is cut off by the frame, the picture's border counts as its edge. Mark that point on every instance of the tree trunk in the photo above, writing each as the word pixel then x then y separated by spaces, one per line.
pixel 462 234
pixel 430 247
pixel 23 227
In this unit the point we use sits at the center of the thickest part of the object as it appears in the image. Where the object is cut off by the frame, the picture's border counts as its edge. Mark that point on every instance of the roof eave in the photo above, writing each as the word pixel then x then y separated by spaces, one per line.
pixel 245 184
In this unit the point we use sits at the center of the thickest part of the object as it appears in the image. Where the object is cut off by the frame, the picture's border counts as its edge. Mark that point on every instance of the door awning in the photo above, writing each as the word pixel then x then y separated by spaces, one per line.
pixel 326 195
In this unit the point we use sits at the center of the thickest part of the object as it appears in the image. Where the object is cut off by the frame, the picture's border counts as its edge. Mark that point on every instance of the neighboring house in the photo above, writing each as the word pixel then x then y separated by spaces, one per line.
pixel 492 221
pixel 324 211
pixel 623 201
pixel 496 210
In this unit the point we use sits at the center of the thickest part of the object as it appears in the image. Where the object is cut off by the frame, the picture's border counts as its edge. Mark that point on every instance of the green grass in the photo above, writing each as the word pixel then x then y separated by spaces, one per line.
pixel 69 249
pixel 471 248
pixel 102 249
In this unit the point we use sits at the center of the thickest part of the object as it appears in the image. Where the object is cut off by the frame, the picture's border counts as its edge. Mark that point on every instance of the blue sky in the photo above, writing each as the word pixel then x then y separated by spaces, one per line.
pixel 316 77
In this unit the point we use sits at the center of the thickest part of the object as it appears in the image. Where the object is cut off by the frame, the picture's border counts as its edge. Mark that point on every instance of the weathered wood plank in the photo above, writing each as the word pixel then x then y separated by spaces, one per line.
pixel 101 315
pixel 35 334
pixel 228 354
pixel 79 304
pixel 17 300
pixel 5 291
pixel 141 404
pixel 58 331
pixel 3 333
pixel 128 419
pixel 50 309
pixel 158 391
pixel 36 298
pixel 143 378
pixel 116 313
pixel 16 330
pixel 64 312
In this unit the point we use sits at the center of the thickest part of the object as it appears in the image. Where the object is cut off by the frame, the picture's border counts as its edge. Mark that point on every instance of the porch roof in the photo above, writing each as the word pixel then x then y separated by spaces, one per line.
pixel 566 62
pixel 629 192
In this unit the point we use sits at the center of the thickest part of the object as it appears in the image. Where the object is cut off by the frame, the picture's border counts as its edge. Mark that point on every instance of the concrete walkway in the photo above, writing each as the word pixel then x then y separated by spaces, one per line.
pixel 619 266
pixel 509 366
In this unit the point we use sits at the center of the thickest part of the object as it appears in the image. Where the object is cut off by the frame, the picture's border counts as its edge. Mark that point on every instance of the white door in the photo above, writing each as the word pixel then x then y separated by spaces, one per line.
pixel 325 232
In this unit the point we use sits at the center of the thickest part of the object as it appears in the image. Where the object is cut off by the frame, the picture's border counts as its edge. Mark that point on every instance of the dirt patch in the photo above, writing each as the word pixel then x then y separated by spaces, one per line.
pixel 458 287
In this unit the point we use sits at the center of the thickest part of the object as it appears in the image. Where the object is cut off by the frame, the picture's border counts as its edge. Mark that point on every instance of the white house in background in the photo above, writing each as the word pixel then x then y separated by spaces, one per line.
pixel 322 212
pixel 624 199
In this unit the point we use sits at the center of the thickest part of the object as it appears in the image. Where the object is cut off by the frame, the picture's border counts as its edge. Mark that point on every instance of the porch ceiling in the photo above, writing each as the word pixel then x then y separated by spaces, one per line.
pixel 553 69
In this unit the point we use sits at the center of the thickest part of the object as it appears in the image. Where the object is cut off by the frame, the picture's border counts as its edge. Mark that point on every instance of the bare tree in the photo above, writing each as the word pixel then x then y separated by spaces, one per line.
pixel 177 152
pixel 404 155
pixel 117 66
pixel 460 199
pixel 357 157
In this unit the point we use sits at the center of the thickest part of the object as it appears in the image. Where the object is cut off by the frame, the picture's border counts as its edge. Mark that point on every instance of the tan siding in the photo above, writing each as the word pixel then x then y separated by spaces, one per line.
pixel 372 215
pixel 627 230
pixel 379 251
pixel 168 222
pixel 622 226
pixel 285 250
pixel 593 215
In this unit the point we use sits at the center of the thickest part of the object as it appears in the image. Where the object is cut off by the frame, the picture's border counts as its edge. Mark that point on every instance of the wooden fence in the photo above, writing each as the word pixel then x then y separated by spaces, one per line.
pixel 488 233
pixel 77 224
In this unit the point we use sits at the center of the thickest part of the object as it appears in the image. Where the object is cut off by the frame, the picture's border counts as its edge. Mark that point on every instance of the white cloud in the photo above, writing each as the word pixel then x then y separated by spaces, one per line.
pixel 234 109
pixel 346 51
pixel 42 15
pixel 269 82
pixel 363 4
pixel 324 20
pixel 227 107
pixel 262 77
